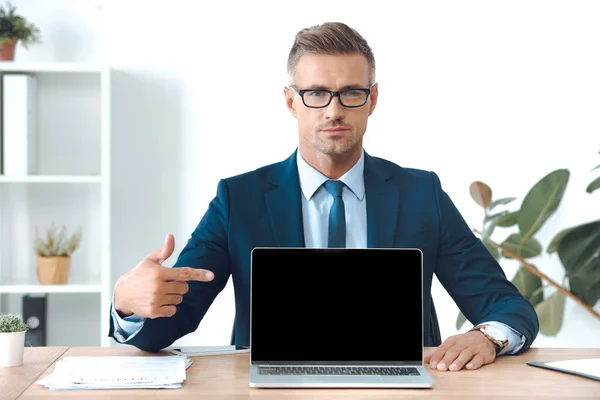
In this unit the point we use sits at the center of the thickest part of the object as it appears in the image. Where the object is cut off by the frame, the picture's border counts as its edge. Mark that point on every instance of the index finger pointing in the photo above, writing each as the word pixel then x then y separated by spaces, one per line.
pixel 186 274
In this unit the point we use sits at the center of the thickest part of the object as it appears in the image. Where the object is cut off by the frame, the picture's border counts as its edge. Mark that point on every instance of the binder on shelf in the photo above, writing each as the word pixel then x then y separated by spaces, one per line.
pixel 1 126
pixel 19 150
pixel 34 314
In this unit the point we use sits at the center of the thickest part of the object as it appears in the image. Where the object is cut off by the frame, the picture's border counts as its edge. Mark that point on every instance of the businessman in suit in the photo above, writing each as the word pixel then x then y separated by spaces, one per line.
pixel 328 193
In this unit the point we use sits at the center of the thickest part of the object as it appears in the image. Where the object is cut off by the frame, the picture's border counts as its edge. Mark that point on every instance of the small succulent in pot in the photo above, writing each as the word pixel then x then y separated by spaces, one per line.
pixel 12 340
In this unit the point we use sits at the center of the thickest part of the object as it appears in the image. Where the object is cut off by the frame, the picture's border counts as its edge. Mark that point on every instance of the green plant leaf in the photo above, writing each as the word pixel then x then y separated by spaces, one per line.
pixel 579 252
pixel 553 246
pixel 494 216
pixel 502 201
pixel 481 193
pixel 490 222
pixel 489 229
pixel 508 220
pixel 460 320
pixel 526 249
pixel 493 250
pixel 529 285
pixel 550 313
pixel 503 219
pixel 594 185
pixel 542 201
pixel 10 323
pixel 596 167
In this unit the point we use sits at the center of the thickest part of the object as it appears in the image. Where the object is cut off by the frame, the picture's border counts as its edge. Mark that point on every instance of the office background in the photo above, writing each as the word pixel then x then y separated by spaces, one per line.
pixel 502 92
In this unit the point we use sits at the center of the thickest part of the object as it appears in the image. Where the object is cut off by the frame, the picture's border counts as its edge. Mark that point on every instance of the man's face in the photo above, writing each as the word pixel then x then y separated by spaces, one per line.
pixel 334 130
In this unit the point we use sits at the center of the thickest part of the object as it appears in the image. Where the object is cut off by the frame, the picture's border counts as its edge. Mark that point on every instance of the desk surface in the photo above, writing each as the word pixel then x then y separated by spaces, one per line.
pixel 36 360
pixel 226 377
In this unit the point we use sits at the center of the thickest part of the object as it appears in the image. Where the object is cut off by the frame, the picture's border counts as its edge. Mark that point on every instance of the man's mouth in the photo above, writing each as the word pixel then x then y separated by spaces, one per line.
pixel 332 131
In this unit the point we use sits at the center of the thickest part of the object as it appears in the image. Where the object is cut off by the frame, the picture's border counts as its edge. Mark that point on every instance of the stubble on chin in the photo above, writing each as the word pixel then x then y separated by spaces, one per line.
pixel 334 146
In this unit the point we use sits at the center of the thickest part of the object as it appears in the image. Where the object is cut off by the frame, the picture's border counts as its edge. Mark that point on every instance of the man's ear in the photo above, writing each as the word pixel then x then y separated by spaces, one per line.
pixel 374 96
pixel 290 95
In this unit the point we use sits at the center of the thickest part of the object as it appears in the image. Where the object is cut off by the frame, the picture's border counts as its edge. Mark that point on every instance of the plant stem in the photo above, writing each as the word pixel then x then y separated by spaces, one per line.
pixel 543 276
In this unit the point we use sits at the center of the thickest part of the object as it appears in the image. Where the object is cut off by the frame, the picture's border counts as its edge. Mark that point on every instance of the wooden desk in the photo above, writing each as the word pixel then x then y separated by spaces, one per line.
pixel 36 360
pixel 226 377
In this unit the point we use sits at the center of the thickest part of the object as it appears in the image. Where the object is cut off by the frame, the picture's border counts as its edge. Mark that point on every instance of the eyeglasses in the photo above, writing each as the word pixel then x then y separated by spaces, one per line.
pixel 350 98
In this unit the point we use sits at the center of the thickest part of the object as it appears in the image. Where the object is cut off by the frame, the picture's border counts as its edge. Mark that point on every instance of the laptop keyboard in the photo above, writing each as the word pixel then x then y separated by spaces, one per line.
pixel 410 371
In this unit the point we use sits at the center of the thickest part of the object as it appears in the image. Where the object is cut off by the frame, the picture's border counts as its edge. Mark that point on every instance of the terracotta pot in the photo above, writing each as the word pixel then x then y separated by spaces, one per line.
pixel 53 270
pixel 7 49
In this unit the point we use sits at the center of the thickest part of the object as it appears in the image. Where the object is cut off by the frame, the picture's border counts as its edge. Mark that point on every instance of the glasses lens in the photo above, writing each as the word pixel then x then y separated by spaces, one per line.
pixel 353 98
pixel 316 98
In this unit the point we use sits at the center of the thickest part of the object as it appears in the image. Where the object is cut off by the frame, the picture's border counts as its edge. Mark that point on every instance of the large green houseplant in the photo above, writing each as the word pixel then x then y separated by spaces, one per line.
pixel 15 28
pixel 577 247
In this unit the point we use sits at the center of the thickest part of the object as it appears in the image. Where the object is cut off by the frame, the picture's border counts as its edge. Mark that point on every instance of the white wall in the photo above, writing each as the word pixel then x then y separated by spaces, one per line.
pixel 502 92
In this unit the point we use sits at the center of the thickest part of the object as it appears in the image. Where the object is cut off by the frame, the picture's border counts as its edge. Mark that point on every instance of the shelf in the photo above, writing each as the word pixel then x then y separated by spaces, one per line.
pixel 33 286
pixel 71 186
pixel 51 179
pixel 51 67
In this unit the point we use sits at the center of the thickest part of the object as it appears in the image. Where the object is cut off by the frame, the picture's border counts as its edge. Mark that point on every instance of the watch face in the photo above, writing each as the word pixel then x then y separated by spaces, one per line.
pixel 495 333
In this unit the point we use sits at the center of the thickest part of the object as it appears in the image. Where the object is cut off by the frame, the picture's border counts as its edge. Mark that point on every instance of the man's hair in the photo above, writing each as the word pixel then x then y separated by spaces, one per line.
pixel 331 38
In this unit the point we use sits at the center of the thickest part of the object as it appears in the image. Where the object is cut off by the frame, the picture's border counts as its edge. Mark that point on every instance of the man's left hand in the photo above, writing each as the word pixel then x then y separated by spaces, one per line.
pixel 469 350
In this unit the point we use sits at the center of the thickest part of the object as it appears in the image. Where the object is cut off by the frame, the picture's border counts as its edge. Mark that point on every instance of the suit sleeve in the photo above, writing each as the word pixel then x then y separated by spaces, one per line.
pixel 207 248
pixel 474 279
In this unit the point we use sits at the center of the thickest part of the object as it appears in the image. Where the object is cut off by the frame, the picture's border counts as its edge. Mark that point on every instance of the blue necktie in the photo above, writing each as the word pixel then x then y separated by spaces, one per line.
pixel 337 215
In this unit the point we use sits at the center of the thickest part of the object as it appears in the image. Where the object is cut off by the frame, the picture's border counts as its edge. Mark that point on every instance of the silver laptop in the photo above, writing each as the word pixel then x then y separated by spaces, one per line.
pixel 349 318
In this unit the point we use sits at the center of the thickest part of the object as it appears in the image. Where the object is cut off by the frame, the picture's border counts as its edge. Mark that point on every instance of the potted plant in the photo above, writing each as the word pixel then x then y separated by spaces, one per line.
pixel 576 247
pixel 15 28
pixel 12 340
pixel 53 252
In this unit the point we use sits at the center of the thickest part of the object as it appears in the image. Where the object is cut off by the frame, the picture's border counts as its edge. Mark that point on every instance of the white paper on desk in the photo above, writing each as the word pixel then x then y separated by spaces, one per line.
pixel 73 372
pixel 75 386
pixel 588 366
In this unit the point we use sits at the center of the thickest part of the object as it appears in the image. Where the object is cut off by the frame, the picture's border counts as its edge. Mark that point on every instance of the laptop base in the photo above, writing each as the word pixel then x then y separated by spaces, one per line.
pixel 424 381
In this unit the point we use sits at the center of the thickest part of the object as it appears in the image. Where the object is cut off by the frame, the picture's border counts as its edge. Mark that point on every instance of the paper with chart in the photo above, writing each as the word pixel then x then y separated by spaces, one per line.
pixel 134 372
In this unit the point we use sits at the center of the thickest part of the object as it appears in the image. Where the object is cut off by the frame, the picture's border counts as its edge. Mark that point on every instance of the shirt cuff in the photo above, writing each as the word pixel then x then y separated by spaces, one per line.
pixel 515 339
pixel 125 328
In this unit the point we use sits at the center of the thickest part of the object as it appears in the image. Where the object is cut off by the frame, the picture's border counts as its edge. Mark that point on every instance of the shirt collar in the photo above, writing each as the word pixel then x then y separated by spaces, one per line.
pixel 311 179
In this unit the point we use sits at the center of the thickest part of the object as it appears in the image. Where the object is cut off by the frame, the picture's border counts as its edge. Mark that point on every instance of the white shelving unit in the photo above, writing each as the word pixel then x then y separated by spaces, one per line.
pixel 51 179
pixel 72 188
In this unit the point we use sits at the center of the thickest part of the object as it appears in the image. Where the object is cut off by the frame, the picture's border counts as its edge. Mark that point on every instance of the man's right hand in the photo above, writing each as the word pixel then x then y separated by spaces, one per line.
pixel 151 290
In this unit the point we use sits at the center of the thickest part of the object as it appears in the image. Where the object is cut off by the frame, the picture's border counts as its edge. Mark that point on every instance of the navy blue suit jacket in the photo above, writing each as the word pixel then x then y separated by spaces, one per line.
pixel 405 208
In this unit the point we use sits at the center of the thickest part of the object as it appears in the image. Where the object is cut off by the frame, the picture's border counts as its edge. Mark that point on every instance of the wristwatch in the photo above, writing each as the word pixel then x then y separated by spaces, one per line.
pixel 494 334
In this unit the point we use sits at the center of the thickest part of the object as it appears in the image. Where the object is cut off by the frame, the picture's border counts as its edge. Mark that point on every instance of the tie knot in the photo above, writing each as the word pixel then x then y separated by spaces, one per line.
pixel 334 187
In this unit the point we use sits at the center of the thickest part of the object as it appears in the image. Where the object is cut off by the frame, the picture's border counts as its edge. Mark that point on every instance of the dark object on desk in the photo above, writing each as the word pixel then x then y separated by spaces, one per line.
pixel 34 315
pixel 211 350
pixel 568 366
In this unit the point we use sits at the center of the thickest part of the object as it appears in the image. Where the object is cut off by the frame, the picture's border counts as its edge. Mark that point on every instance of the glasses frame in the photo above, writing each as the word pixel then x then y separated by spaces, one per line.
pixel 332 94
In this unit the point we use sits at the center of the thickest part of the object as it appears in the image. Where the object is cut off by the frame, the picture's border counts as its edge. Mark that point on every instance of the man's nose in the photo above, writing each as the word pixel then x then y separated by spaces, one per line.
pixel 335 110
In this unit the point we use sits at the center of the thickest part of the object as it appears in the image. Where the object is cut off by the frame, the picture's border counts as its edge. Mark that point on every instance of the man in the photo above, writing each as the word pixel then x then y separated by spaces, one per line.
pixel 330 180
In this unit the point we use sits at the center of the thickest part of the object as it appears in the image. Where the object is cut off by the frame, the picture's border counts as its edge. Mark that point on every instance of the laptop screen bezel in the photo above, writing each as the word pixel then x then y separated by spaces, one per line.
pixel 339 363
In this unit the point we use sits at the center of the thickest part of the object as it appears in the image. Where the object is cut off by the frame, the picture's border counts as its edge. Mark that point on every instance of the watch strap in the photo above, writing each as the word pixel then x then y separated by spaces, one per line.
pixel 499 345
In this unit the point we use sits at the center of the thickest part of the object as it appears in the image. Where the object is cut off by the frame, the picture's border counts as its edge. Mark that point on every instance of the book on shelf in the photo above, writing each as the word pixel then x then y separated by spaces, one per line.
pixel 19 150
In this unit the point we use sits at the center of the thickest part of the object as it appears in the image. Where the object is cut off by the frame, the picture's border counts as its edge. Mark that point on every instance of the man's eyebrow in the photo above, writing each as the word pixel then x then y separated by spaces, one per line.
pixel 321 87
pixel 316 87
pixel 355 86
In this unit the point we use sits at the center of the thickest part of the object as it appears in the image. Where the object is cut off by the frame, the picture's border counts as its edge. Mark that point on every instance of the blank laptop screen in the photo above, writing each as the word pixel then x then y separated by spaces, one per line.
pixel 350 306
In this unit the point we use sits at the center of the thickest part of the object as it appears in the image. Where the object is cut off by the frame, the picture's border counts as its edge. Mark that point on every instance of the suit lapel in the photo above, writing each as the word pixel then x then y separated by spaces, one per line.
pixel 383 200
pixel 284 205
